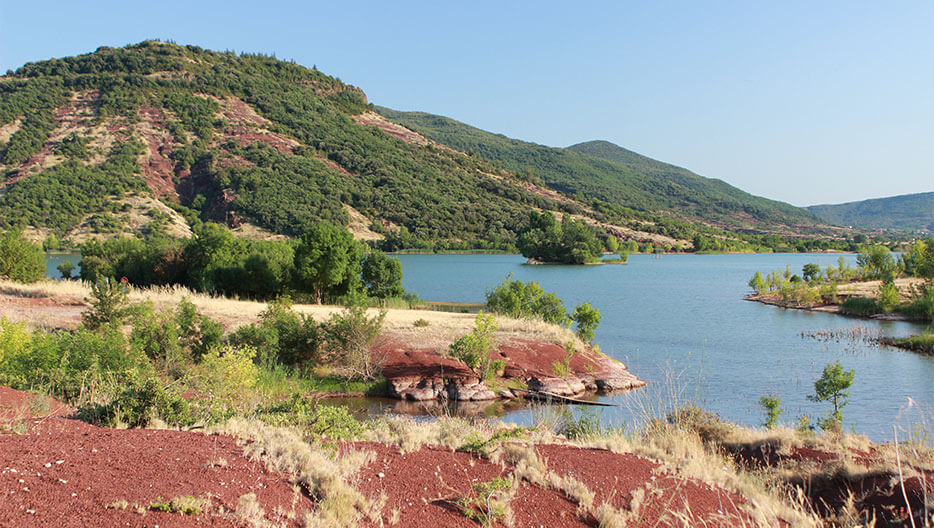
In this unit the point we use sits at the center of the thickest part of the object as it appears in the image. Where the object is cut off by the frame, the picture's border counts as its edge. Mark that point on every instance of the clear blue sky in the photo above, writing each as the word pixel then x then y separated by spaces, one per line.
pixel 805 102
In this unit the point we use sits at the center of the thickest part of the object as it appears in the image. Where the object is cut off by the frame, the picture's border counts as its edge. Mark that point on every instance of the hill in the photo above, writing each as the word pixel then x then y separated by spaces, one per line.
pixel 604 173
pixel 89 143
pixel 908 212
pixel 156 138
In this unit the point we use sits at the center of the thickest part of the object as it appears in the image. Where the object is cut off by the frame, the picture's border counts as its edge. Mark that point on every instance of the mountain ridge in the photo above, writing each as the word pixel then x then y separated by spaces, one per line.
pixel 905 212
pixel 638 182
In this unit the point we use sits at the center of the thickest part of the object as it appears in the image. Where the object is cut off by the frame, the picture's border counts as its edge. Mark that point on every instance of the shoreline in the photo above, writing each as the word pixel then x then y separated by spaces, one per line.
pixel 829 308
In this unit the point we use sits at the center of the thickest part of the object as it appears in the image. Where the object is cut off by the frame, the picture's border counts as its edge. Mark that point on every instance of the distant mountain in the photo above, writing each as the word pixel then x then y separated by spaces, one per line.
pixel 602 171
pixel 908 212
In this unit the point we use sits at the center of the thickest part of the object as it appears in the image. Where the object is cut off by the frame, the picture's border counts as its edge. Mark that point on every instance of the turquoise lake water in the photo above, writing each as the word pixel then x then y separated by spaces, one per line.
pixel 683 317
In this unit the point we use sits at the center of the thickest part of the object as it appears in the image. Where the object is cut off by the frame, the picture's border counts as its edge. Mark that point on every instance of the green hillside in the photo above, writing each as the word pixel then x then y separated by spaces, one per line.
pixel 603 172
pixel 240 139
pixel 908 212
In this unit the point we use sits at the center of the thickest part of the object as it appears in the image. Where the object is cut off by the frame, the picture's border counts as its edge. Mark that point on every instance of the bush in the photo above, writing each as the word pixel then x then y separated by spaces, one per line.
pixel 197 333
pixel 474 349
pixel 584 425
pixel 349 337
pixel 888 295
pixel 772 406
pixel 63 363
pixel 156 335
pixel 860 306
pixel 587 319
pixel 108 303
pixel 20 259
pixel 143 400
pixel 225 373
pixel 526 300
pixel 282 336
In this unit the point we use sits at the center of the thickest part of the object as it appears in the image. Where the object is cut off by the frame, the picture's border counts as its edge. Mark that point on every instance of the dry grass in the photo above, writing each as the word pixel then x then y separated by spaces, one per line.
pixel 442 328
pixel 323 474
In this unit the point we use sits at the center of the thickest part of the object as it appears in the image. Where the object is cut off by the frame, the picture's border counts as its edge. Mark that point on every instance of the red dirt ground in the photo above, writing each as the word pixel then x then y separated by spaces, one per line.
pixel 63 472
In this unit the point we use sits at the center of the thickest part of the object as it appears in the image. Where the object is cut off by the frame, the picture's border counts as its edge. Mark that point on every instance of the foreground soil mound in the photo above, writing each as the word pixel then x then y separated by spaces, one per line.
pixel 57 471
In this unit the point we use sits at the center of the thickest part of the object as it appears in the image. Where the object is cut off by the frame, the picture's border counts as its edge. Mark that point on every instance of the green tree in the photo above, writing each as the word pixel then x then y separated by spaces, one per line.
pixel 772 406
pixel 888 295
pixel 810 272
pixel 20 259
pixel 568 242
pixel 587 319
pixel 832 386
pixel 876 262
pixel 108 303
pixel 66 269
pixel 757 283
pixel 382 275
pixel 474 349
pixel 327 262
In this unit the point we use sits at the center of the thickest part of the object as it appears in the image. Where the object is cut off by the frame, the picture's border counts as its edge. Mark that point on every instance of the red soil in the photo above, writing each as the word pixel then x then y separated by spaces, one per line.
pixel 63 472
pixel 877 494
pixel 667 501
pixel 158 169
pixel 424 484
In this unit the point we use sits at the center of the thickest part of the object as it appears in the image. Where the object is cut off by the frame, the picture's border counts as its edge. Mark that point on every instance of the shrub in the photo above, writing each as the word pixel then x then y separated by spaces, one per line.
pixel 584 425
pixel 474 349
pixel 331 421
pixel 20 259
pixel 197 333
pixel 489 501
pixel 860 306
pixel 143 400
pixel 63 363
pixel 587 319
pixel 282 336
pixel 526 300
pixel 349 337
pixel 108 303
pixel 772 406
pixel 155 334
pixel 888 295
pixel 225 373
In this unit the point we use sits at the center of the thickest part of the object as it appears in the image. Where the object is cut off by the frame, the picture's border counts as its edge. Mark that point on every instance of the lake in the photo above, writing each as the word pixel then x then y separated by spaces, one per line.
pixel 683 317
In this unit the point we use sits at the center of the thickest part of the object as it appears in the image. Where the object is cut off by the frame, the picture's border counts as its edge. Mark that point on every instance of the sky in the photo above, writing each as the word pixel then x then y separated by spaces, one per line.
pixel 800 101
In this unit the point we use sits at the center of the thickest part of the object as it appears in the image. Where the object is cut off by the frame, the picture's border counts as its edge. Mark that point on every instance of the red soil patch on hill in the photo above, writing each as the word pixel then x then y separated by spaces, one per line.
pixel 157 168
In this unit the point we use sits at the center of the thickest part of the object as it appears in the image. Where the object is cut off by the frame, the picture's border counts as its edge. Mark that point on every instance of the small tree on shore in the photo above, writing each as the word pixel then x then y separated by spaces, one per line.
pixel 757 283
pixel 587 318
pixel 474 349
pixel 832 386
pixel 772 406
